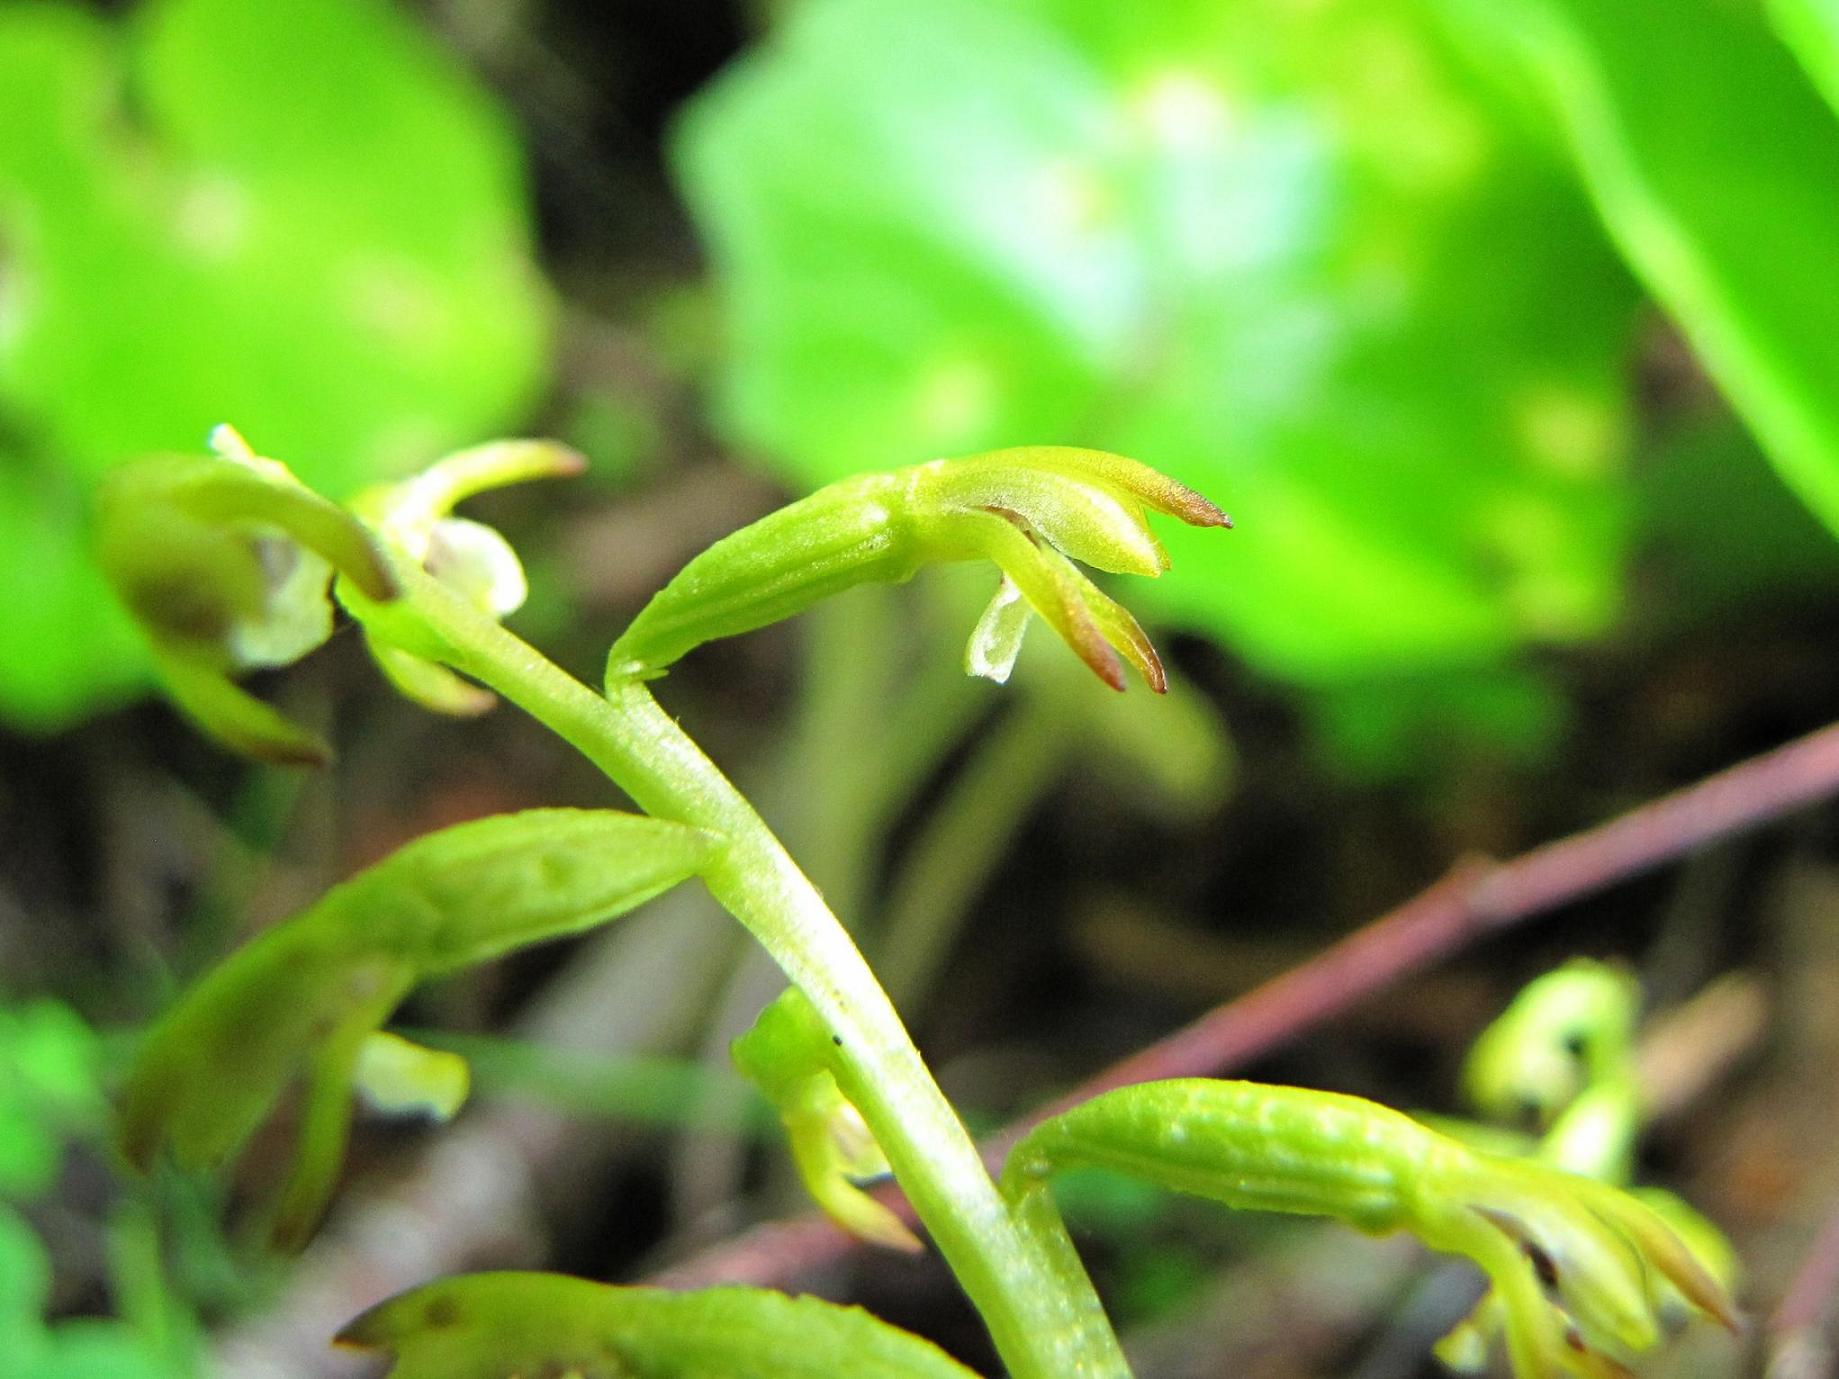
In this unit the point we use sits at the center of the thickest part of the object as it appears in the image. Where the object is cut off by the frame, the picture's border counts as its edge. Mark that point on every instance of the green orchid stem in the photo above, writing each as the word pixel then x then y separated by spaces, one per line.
pixel 1026 1281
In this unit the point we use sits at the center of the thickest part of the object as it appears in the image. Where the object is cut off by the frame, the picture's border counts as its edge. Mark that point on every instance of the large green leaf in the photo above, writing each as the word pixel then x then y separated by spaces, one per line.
pixel 296 216
pixel 306 998
pixel 1289 254
pixel 1715 164
pixel 1811 28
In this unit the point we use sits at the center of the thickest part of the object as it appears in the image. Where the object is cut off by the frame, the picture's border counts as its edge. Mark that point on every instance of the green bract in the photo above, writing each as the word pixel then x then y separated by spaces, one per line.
pixel 307 997
pixel 1580 1269
pixel 489 1326
pixel 788 1055
pixel 226 561
pixel 1026 509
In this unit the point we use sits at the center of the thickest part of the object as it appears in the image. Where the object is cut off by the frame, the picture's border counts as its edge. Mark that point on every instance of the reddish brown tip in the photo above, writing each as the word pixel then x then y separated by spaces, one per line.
pixel 569 463
pixel 1178 500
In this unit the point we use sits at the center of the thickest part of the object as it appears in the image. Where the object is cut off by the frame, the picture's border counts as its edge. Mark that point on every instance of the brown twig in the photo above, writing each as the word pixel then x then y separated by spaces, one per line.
pixel 1474 899
pixel 1800 1346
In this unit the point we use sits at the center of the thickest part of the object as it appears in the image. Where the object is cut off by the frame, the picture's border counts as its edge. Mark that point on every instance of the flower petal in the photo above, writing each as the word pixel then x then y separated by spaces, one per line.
pixel 997 639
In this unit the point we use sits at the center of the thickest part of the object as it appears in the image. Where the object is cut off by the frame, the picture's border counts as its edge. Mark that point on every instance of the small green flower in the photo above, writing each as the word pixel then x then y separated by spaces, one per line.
pixel 1582 1273
pixel 225 561
pixel 415 519
pixel 1027 510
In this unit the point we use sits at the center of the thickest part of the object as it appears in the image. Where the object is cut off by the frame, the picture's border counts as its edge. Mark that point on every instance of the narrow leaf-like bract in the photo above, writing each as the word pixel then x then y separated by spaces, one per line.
pixel 1025 509
pixel 1577 1265
pixel 490 1326
pixel 788 1055
pixel 304 998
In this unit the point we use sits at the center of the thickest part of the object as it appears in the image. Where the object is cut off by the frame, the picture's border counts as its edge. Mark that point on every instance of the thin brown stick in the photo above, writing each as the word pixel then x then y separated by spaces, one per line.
pixel 1800 1346
pixel 1474 899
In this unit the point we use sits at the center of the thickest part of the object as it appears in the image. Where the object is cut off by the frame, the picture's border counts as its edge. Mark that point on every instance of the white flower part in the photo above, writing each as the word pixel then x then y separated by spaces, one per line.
pixel 997 639
pixel 401 1078
pixel 296 610
pixel 475 561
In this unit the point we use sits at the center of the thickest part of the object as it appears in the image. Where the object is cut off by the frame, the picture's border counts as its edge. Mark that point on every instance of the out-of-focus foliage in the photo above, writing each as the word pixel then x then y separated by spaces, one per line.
pixel 51 1095
pixel 1298 256
pixel 297 214
pixel 1715 164
pixel 1811 28
pixel 49 1090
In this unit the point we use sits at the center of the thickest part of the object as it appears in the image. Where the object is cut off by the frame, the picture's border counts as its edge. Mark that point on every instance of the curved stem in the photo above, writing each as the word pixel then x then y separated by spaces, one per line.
pixel 1037 1301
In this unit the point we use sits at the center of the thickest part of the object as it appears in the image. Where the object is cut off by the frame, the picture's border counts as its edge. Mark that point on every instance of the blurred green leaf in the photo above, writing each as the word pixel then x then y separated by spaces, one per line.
pixel 484 1326
pixel 25 1276
pixel 49 1090
pixel 1716 166
pixel 1293 255
pixel 1811 28
pixel 1416 724
pixel 1724 530
pixel 296 216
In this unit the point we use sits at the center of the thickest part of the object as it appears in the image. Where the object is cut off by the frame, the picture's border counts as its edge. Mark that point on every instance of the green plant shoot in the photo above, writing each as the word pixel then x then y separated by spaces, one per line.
pixel 487 1326
pixel 1026 509
pixel 449 583
pixel 1575 1264
pixel 307 997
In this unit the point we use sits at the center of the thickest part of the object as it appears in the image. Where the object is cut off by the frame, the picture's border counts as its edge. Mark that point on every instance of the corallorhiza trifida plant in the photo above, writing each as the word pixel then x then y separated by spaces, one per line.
pixel 228 562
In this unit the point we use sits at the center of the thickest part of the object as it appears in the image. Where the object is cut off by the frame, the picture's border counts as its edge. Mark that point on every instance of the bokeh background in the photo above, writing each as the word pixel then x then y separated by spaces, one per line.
pixel 1508 331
